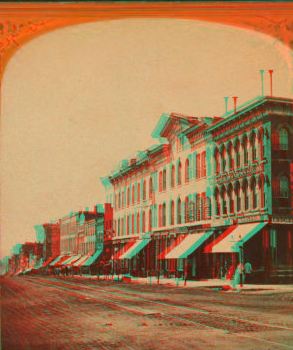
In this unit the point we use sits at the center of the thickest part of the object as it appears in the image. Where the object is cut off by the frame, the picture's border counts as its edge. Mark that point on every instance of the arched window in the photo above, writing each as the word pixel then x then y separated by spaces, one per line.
pixel 172 176
pixel 187 170
pixel 164 215
pixel 179 211
pixel 198 166
pixel 262 193
pixel 172 213
pixel 150 188
pixel 208 207
pixel 132 226
pixel 144 190
pixel 254 193
pixel 186 209
pixel 160 215
pixel 224 200
pixel 138 223
pixel 230 157
pixel 284 139
pixel 191 211
pixel 203 206
pixel 246 195
pixel 253 147
pixel 179 173
pixel 150 220
pixel 133 194
pixel 164 180
pixel 231 200
pixel 143 222
pixel 217 162
pixel 238 198
pixel 160 181
pixel 284 187
pixel 138 193
pixel 245 150
pixel 223 160
pixel 237 153
pixel 217 202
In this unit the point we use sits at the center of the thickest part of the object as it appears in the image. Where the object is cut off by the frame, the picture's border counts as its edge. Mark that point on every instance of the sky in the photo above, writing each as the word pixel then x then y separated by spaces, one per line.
pixel 78 100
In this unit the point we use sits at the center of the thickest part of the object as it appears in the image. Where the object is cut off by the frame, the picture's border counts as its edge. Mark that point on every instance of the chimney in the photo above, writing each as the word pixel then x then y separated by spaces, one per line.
pixel 271 79
pixel 261 73
pixel 235 99
pixel 226 104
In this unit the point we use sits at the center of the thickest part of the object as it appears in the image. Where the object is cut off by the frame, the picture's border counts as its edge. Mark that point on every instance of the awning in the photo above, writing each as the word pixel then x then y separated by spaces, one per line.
pixel 126 247
pixel 57 259
pixel 93 258
pixel 71 261
pixel 60 261
pixel 189 244
pixel 232 242
pixel 47 262
pixel 171 247
pixel 135 248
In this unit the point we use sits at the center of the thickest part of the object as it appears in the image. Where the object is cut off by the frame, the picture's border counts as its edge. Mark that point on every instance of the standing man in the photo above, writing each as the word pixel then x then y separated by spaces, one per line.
pixel 247 271
pixel 240 271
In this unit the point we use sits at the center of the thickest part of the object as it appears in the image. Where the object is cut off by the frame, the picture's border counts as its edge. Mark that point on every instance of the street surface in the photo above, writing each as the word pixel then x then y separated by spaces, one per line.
pixel 49 313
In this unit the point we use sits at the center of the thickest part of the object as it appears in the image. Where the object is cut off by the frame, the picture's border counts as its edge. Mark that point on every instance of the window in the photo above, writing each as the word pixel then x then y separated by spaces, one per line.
pixel 150 188
pixel 245 150
pixel 262 194
pixel 179 173
pixel 119 200
pixel 172 176
pixel 133 194
pixel 254 194
pixel 138 223
pixel 128 195
pixel 128 228
pixel 208 207
pixel 203 164
pixel 217 163
pixel 224 201
pixel 253 147
pixel 284 139
pixel 203 206
pixel 223 160
pixel 119 227
pixel 179 211
pixel 198 166
pixel 230 158
pixel 217 200
pixel 138 193
pixel 198 208
pixel 284 187
pixel 160 181
pixel 164 215
pixel 172 213
pixel 186 210
pixel 238 198
pixel 231 201
pixel 246 196
pixel 237 152
pixel 164 180
pixel 150 220
pixel 143 222
pixel 187 170
pixel 144 190
pixel 160 215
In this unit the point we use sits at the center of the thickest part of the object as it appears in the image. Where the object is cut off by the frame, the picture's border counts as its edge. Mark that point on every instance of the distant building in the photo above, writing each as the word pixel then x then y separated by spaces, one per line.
pixel 216 191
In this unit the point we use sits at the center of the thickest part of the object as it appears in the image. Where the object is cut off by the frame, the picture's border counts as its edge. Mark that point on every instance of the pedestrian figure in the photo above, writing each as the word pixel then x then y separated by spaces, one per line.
pixel 247 271
pixel 240 272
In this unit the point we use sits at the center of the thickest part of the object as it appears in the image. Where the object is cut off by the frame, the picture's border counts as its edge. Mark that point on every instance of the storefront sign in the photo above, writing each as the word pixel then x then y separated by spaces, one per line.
pixel 249 219
pixel 281 220
pixel 239 173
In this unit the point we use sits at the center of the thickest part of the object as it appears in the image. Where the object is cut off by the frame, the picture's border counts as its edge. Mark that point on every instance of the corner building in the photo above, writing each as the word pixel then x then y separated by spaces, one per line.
pixel 216 191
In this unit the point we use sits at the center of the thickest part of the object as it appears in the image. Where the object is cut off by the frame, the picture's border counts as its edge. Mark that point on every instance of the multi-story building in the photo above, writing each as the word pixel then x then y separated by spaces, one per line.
pixel 214 192
pixel 81 238
pixel 52 241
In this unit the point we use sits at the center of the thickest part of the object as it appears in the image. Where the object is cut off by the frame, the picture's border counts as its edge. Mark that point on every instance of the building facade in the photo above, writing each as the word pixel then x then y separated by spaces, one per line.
pixel 216 191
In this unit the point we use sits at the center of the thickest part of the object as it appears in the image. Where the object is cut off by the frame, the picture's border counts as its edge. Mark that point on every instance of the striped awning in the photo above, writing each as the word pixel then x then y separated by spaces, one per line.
pixel 135 248
pixel 188 245
pixel 93 258
pixel 47 262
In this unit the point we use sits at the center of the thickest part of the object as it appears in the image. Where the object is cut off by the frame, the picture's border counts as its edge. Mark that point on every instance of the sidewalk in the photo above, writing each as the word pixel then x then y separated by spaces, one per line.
pixel 212 284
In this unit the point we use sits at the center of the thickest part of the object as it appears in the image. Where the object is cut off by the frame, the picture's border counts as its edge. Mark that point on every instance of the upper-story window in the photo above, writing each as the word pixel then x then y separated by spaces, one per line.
pixel 172 213
pixel 132 224
pixel 179 211
pixel 254 194
pixel 164 215
pixel 187 165
pixel 253 147
pixel 223 160
pixel 284 187
pixel 198 166
pixel 186 209
pixel 164 180
pixel 237 153
pixel 246 195
pixel 143 222
pixel 217 202
pixel 179 173
pixel 133 194
pixel 119 200
pixel 128 195
pixel 284 139
pixel 138 223
pixel 245 150
pixel 230 157
pixel 203 164
pixel 160 181
pixel 150 220
pixel 217 161
pixel 238 198
pixel 138 192
pixel 144 190
pixel 150 188
pixel 231 200
pixel 172 175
